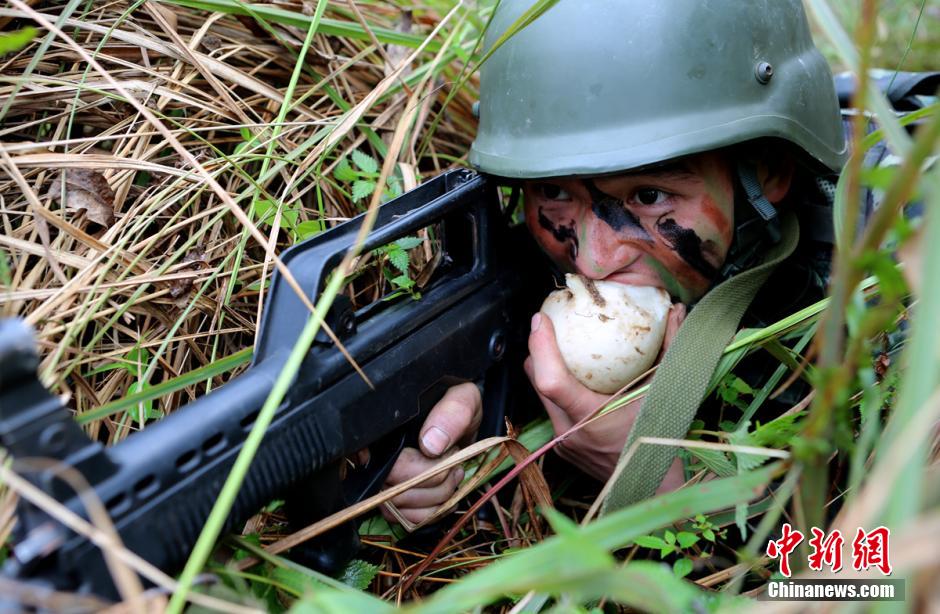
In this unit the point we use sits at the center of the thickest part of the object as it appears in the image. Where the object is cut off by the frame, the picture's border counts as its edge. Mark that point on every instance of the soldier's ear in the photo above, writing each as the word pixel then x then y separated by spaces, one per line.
pixel 775 173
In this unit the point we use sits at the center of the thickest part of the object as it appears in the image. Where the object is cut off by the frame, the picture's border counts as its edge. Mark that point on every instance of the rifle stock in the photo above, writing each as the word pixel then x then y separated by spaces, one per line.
pixel 159 485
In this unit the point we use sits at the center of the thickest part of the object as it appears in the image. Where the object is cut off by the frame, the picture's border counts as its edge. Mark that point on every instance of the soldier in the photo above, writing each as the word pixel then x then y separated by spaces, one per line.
pixel 660 144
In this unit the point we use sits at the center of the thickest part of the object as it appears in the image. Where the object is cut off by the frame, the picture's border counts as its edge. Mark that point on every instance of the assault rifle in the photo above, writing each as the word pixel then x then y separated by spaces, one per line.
pixel 158 485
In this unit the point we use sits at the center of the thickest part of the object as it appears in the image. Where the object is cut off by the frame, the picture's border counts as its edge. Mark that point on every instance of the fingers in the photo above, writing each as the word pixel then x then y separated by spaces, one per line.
pixel 417 516
pixel 410 463
pixel 433 496
pixel 561 423
pixel 418 503
pixel 455 417
pixel 674 320
pixel 551 377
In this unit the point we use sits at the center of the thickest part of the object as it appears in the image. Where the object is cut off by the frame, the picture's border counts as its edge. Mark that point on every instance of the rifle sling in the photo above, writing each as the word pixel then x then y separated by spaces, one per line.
pixel 682 378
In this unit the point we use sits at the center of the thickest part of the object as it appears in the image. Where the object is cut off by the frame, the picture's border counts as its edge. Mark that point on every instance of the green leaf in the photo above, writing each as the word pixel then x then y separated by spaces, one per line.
pixel 359 574
pixel 344 172
pixel 241 553
pixel 149 412
pixel 715 460
pixel 709 535
pixel 403 281
pixel 670 537
pixel 745 461
pixel 409 242
pixel 263 210
pixel 686 539
pixel 245 146
pixel 394 187
pixel 682 568
pixel 361 189
pixel 650 541
pixel 130 362
pixel 365 162
pixel 666 551
pixel 399 259
pixel 14 41
pixel 256 285
pixel 274 506
pixel 741 386
pixel 376 525
pixel 779 432
pixel 305 230
pixel 294 581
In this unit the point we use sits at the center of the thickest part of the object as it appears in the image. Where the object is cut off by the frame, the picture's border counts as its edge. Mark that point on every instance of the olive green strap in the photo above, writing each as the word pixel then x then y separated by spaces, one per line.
pixel 682 378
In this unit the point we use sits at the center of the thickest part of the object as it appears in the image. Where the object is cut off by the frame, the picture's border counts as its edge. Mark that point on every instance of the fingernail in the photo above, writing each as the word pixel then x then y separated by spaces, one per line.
pixel 435 440
pixel 460 473
pixel 536 320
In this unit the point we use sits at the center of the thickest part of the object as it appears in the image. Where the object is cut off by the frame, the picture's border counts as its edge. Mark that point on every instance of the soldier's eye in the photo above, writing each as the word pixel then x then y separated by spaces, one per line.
pixel 650 196
pixel 553 192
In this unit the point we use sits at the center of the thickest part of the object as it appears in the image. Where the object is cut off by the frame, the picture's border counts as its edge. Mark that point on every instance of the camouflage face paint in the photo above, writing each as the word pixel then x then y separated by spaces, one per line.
pixel 561 233
pixel 670 283
pixel 614 212
pixel 687 244
pixel 668 226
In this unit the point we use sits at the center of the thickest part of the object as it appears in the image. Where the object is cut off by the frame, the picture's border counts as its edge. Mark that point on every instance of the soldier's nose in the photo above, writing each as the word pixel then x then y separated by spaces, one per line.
pixel 603 250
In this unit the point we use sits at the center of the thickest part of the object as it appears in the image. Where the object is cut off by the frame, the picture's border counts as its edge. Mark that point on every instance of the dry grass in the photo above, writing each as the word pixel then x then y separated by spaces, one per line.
pixel 118 254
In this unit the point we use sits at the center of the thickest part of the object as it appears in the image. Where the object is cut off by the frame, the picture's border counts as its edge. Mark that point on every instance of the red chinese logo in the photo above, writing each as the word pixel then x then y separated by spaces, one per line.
pixel 868 549
pixel 782 547
pixel 826 551
pixel 871 550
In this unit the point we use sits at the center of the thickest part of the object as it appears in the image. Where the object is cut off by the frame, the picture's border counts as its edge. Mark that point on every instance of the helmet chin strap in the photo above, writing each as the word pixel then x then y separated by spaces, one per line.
pixel 747 175
pixel 754 227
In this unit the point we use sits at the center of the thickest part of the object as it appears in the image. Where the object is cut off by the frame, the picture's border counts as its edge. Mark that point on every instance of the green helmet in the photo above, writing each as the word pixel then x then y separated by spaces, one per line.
pixel 595 87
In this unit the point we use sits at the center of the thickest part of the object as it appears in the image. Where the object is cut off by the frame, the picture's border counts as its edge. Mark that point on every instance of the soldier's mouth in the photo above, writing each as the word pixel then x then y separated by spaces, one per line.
pixel 630 278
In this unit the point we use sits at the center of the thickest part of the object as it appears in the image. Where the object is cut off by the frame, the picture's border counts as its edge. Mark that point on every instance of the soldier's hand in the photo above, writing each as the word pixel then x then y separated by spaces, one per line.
pixel 596 447
pixel 451 423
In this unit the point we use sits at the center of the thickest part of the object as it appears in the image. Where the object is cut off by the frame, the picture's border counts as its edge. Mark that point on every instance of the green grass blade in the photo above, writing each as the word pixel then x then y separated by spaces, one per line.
pixel 922 361
pixel 910 42
pixel 332 27
pixel 538 566
pixel 531 14
pixel 217 367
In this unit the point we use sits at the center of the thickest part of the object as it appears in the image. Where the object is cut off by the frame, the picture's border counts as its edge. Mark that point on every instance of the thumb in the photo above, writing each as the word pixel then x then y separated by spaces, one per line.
pixel 453 418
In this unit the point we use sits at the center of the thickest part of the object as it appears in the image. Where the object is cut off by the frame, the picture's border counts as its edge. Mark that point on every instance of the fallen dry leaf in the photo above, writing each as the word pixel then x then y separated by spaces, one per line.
pixel 86 190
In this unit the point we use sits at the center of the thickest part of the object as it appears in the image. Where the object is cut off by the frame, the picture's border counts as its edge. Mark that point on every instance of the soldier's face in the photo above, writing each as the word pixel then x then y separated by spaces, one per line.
pixel 669 227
